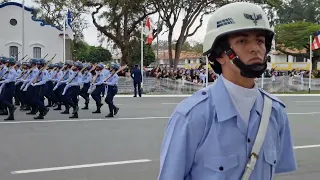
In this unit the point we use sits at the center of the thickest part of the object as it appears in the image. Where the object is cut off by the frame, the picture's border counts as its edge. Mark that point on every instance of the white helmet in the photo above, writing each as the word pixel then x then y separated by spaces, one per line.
pixel 232 18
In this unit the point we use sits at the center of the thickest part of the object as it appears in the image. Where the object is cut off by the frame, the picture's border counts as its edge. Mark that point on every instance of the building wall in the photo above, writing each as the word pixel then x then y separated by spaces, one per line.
pixel 36 34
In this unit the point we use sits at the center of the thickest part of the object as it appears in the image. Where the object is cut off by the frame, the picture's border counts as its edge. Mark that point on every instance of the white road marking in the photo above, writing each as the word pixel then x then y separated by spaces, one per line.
pixel 113 119
pixel 305 101
pixel 307 146
pixel 112 163
pixel 81 120
pixel 188 95
pixel 170 103
pixel 303 113
pixel 80 166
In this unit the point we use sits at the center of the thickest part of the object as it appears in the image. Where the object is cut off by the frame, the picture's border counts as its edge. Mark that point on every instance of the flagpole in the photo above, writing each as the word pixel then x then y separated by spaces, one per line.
pixel 310 68
pixel 141 65
pixel 22 24
pixel 64 39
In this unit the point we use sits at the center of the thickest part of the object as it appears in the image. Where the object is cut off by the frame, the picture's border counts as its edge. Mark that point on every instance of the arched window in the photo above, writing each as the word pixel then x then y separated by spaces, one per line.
pixel 13 51
pixel 36 52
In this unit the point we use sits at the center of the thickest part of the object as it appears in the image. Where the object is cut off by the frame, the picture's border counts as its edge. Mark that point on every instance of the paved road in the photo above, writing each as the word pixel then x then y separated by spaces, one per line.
pixel 135 134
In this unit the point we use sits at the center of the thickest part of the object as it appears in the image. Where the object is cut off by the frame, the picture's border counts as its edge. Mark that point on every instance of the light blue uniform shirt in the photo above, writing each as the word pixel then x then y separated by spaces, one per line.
pixel 10 77
pixel 206 139
pixel 56 76
pixel 86 77
pixel 100 79
pixel 3 70
pixel 75 79
pixel 113 80
pixel 43 78
pixel 32 76
pixel 68 74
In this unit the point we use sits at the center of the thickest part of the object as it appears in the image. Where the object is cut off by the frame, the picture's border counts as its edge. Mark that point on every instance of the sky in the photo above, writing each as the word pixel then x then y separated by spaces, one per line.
pixel 91 33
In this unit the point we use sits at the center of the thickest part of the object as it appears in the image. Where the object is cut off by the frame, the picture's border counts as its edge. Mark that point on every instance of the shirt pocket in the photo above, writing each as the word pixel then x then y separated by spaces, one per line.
pixel 270 161
pixel 221 166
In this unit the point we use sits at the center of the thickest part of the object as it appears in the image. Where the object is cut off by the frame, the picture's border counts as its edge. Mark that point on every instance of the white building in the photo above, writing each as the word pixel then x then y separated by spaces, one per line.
pixel 40 39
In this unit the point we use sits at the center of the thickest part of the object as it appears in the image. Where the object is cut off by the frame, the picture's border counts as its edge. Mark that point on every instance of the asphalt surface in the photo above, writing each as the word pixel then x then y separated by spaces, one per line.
pixel 54 148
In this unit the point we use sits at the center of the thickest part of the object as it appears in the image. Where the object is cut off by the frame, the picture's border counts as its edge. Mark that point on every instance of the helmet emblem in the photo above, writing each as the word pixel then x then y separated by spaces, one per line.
pixel 253 17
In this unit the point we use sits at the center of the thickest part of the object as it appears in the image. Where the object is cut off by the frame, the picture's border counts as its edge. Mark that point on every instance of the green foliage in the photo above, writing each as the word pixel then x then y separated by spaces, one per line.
pixel 148 55
pixel 85 53
pixel 299 10
pixel 295 35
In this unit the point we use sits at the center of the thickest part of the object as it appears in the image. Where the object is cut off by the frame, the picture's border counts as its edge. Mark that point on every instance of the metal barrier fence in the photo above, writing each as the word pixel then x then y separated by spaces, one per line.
pixel 280 84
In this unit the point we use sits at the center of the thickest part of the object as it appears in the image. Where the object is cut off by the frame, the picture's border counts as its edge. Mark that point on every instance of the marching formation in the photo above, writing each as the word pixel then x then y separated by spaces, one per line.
pixel 29 83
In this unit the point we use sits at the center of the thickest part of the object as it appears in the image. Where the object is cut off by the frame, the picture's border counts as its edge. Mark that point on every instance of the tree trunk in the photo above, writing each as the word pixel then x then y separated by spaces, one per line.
pixel 170 47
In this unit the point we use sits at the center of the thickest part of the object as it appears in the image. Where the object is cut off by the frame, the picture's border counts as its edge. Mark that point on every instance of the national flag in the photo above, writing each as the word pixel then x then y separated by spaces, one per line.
pixel 68 26
pixel 148 31
pixel 316 41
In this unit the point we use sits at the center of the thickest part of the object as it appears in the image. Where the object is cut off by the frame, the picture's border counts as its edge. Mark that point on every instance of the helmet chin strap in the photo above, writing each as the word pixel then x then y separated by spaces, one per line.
pixel 248 71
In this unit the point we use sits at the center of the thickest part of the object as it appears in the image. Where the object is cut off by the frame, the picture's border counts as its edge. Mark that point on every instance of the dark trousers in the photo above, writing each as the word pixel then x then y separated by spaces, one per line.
pixel 70 98
pixel 84 91
pixel 112 91
pixel 135 85
pixel 7 94
pixel 38 98
pixel 49 90
pixel 96 94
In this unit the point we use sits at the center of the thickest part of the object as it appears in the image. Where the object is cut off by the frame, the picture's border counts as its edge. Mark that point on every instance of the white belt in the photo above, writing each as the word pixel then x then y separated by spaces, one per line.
pixel 267 106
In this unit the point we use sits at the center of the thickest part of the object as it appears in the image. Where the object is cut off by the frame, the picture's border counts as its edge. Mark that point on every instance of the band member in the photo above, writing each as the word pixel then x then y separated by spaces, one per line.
pixel 112 90
pixel 98 82
pixel 40 88
pixel 72 89
pixel 8 87
pixel 86 78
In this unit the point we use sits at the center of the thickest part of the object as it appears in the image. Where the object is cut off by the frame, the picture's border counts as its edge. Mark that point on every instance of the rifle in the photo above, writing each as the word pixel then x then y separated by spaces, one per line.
pixel 41 70
pixel 8 70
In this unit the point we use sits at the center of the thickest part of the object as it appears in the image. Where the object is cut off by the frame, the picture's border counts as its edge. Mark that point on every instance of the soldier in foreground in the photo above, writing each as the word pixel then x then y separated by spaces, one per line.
pixel 230 130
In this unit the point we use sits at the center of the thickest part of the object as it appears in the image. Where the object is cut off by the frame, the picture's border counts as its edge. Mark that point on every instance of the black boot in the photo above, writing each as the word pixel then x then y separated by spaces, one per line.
pixel 74 116
pixel 11 113
pixel 86 104
pixel 116 111
pixel 85 107
pixel 75 109
pixel 45 112
pixel 109 115
pixel 58 108
pixel 98 108
pixel 34 110
pixel 40 116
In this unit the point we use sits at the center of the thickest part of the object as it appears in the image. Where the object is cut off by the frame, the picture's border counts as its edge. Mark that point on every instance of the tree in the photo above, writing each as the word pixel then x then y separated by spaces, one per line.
pixel 86 53
pixel 295 36
pixel 148 54
pixel 99 54
pixel 123 19
pixel 299 10
pixel 52 12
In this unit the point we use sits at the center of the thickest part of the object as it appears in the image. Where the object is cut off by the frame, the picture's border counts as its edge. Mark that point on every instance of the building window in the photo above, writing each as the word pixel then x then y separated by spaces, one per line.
pixel 13 51
pixel 13 22
pixel 36 52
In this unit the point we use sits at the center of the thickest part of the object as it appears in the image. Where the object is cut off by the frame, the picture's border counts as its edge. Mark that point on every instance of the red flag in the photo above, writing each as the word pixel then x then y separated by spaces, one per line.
pixel 316 42
pixel 149 31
